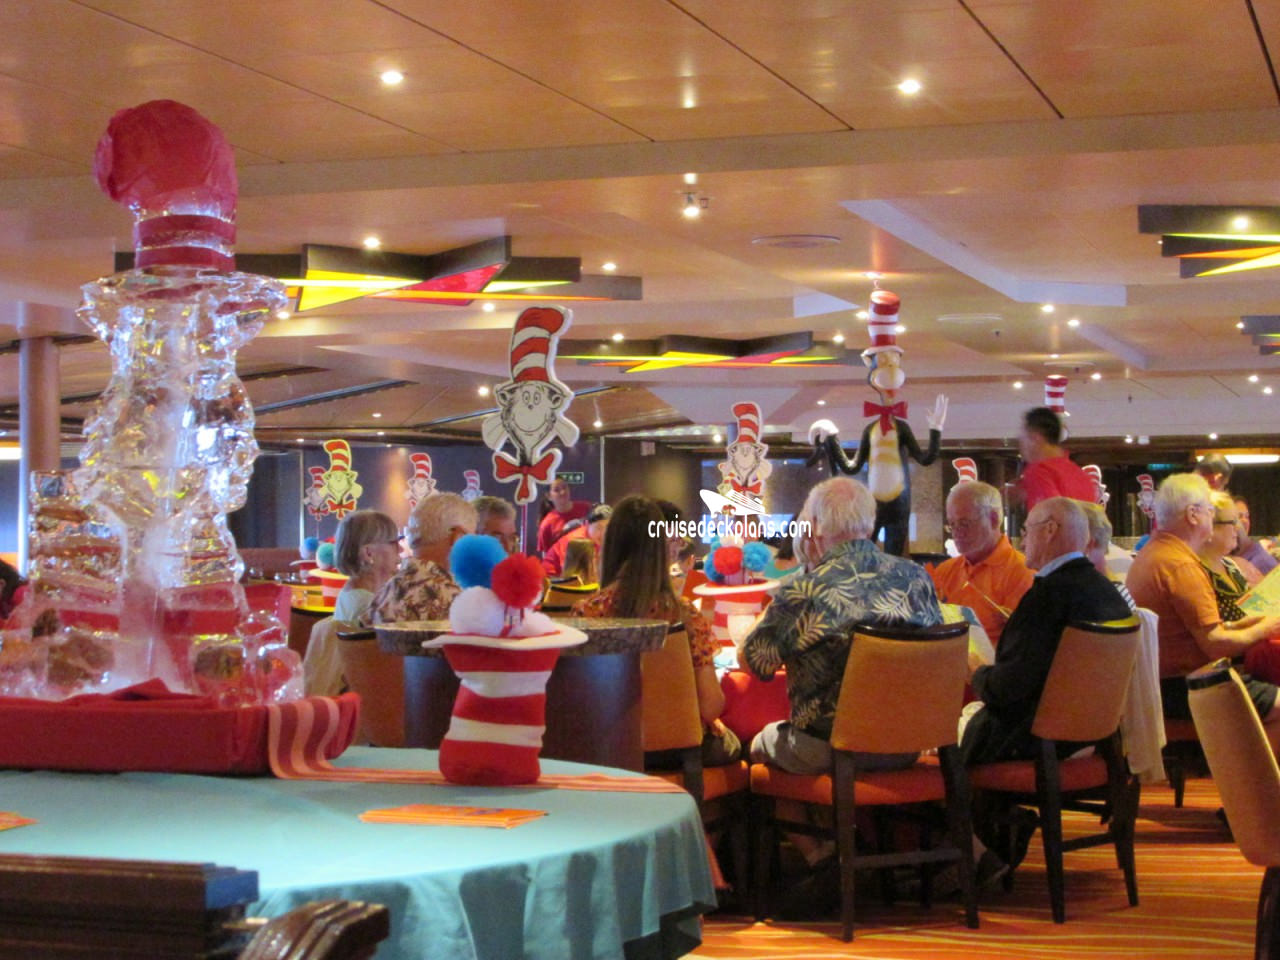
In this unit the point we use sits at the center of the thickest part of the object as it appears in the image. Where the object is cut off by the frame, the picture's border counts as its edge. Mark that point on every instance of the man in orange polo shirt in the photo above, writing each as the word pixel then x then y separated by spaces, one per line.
pixel 1168 578
pixel 989 576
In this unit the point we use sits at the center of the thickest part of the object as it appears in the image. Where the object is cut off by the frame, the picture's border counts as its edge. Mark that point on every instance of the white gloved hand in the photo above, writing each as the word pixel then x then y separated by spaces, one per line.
pixel 937 416
pixel 822 429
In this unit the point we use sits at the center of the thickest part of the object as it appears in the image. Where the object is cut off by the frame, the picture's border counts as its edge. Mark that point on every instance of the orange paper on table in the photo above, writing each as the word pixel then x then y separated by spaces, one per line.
pixel 10 820
pixel 452 816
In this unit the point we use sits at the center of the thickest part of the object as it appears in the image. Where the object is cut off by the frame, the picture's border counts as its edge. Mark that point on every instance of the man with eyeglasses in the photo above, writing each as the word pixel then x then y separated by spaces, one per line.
pixel 422 588
pixel 989 576
pixel 1167 578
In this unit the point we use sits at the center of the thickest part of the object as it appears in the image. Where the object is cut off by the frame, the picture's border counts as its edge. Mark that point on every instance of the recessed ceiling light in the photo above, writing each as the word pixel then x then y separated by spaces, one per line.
pixel 872 275
pixel 372 242
pixel 1213 436
pixel 1240 223
pixel 1239 324
pixel 1095 375
pixel 597 423
pixel 716 438
pixel 488 306
pixel 1128 438
pixel 1253 378
pixel 483 391
pixel 608 266
pixel 301 440
pixel 1017 384
pixel 1054 356
pixel 822 403
pixel 900 328
pixel 391 78
pixel 382 433
pixel 689 101
pixel 1046 308
pixel 376 416
pixel 1073 322
pixel 862 314
pixel 691 210
pixel 617 337
pixel 283 314
pixel 1267 391
pixel 838 338
pixel 691 178
pixel 910 86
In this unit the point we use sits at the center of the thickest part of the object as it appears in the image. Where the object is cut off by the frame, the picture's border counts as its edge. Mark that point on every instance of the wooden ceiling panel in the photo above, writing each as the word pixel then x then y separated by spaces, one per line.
pixel 1098 57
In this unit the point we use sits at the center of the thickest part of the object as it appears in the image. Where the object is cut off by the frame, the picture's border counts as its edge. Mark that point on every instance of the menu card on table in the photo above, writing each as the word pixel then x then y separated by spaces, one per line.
pixel 1264 598
pixel 452 816
pixel 10 820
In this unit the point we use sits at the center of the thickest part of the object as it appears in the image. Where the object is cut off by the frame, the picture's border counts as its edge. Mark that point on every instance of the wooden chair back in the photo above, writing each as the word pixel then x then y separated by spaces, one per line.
pixel 670 719
pixel 902 689
pixel 325 930
pixel 379 679
pixel 322 663
pixel 1084 695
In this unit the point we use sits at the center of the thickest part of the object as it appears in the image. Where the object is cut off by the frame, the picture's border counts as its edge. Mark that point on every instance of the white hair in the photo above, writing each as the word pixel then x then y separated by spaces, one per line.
pixel 982 495
pixel 1099 525
pixel 1176 493
pixel 440 513
pixel 1072 517
pixel 841 509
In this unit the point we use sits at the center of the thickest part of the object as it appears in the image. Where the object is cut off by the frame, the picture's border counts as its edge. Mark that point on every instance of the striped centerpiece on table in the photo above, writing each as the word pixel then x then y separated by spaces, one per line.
pixel 744 600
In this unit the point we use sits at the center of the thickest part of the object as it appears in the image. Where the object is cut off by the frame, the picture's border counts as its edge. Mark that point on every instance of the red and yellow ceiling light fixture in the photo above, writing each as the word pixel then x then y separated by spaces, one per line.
pixel 676 350
pixel 1212 241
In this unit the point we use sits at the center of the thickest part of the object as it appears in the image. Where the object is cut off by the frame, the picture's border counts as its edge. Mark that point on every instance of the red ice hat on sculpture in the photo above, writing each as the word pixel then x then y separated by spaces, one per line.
pixel 882 322
pixel 1055 393
pixel 175 171
pixel 966 468
pixel 748 416
pixel 531 343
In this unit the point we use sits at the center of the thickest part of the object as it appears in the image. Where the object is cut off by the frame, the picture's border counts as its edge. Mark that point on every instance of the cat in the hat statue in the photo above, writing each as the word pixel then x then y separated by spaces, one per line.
pixel 531 405
pixel 746 468
pixel 887 441
pixel 421 485
pixel 342 491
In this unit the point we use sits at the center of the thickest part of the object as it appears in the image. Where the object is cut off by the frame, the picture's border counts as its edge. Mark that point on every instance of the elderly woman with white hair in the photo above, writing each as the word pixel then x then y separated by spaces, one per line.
pixel 807 627
pixel 422 588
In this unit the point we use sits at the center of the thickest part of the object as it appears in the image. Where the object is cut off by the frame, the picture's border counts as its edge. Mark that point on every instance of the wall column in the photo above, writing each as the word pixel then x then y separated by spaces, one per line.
pixel 39 420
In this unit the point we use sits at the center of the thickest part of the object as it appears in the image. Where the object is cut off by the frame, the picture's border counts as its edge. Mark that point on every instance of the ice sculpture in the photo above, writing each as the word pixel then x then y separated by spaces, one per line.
pixel 134 572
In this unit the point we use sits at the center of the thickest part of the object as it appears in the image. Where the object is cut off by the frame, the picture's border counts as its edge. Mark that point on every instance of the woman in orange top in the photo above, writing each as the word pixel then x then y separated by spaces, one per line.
pixel 635 582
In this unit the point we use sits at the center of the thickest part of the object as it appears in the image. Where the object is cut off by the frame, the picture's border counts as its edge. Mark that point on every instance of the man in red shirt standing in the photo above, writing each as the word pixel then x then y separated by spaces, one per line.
pixel 564 510
pixel 1048 471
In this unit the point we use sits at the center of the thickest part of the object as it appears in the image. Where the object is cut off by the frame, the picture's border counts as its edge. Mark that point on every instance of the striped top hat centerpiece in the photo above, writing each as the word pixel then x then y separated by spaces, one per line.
pixel 503 651
pixel 736 585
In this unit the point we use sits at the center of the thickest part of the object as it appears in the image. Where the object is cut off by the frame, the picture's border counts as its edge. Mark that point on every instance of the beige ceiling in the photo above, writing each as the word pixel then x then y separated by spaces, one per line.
pixel 1012 179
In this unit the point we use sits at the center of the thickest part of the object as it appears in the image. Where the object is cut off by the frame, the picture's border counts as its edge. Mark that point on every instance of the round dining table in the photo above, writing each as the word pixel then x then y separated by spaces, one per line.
pixel 602 875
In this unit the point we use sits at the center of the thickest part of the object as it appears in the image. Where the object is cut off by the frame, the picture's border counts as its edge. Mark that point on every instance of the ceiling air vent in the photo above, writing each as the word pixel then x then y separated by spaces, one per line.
pixel 797 241
pixel 970 319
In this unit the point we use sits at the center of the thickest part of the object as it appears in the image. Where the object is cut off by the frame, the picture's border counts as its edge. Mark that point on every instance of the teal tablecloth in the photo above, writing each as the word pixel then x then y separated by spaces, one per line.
pixel 604 875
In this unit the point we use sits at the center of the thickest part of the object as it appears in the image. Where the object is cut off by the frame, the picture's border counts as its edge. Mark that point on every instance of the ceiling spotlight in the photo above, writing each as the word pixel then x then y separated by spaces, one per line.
pixel 1239 324
pixel 1213 436
pixel 376 416
pixel 822 403
pixel 488 306
pixel 900 328
pixel 483 391
pixel 391 78
pixel 1096 375
pixel 910 86
pixel 608 266
pixel 1128 438
pixel 300 439
pixel 1017 384
pixel 1054 356
pixel 617 337
pixel 1239 223
pixel 838 338
pixel 1253 378
pixel 1267 391
pixel 597 423
pixel 717 438
pixel 382 433
pixel 372 242
pixel 862 314
pixel 690 179
pixel 691 210
pixel 1046 308
pixel 873 275
pixel 283 314
pixel 1073 322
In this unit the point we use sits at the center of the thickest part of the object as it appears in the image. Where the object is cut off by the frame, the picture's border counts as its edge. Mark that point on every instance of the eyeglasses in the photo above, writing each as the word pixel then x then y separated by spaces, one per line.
pixel 962 525
pixel 1230 522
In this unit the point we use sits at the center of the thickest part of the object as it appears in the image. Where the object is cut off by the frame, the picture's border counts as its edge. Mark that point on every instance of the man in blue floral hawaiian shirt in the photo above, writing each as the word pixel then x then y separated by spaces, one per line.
pixel 808 626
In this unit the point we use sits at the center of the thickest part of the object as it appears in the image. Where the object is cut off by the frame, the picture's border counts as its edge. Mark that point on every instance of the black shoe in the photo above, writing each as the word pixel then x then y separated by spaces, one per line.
pixel 989 870
pixel 1025 824
pixel 816 895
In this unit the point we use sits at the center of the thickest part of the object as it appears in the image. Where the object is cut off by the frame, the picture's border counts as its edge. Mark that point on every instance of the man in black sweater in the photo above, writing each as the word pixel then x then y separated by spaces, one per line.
pixel 1067 589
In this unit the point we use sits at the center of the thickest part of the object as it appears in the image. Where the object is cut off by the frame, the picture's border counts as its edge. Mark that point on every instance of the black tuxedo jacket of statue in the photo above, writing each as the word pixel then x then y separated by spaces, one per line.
pixel 1011 687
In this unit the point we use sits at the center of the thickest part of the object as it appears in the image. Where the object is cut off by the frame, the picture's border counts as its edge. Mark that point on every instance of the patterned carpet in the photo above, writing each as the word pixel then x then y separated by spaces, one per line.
pixel 1198 899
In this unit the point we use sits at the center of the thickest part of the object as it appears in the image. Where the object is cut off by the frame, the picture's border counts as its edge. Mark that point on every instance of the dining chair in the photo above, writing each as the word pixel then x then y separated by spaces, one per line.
pixel 671 724
pixel 323 930
pixel 1248 780
pixel 379 680
pixel 322 663
pixel 1082 704
pixel 902 692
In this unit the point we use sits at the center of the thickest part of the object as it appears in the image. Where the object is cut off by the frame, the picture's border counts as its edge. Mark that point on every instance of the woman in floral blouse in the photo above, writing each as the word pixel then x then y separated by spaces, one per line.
pixel 635 582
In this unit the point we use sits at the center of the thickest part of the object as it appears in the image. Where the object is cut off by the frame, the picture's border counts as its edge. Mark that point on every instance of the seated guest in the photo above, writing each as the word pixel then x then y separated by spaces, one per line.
pixel 580 566
pixel 1067 589
pixel 989 576
pixel 635 582
pixel 422 588
pixel 496 517
pixel 593 529
pixel 367 550
pixel 564 511
pixel 1168 578
pixel 1253 552
pixel 1047 470
pixel 1100 545
pixel 1216 470
pixel 809 625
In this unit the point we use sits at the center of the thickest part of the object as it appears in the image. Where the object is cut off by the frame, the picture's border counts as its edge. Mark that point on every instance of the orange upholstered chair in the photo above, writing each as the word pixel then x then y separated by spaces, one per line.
pixel 1248 781
pixel 902 692
pixel 379 679
pixel 671 724
pixel 1082 702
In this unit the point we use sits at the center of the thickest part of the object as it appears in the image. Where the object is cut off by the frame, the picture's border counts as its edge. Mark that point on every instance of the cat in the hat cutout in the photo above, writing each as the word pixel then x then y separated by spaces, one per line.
pixel 1094 473
pixel 1147 496
pixel 341 491
pixel 1055 397
pixel 887 441
pixel 746 468
pixel 966 469
pixel 313 498
pixel 421 485
pixel 531 405
pixel 472 489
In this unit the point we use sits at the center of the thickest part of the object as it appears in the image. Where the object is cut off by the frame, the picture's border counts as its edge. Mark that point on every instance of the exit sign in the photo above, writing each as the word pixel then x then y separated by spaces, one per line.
pixel 572 477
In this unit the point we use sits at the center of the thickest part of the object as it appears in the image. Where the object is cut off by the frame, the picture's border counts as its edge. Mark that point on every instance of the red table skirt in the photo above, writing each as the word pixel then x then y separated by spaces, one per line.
pixel 750 703
pixel 145 727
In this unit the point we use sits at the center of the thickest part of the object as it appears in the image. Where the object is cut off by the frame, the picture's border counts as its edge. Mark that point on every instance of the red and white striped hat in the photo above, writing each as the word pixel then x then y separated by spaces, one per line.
pixel 421 465
pixel 882 322
pixel 1055 393
pixel 748 416
pixel 317 476
pixel 1093 472
pixel 339 454
pixel 472 477
pixel 533 342
pixel 1146 483
pixel 966 467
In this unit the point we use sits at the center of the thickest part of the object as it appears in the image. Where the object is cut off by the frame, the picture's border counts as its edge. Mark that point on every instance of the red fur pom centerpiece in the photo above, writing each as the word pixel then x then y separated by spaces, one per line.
pixel 727 561
pixel 517 580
